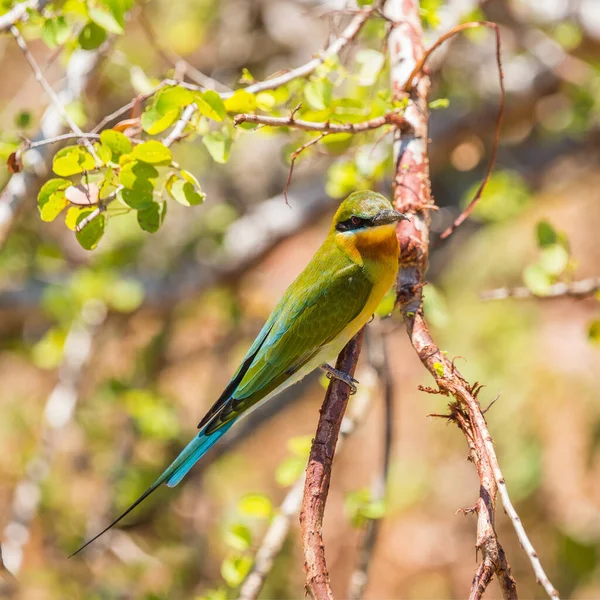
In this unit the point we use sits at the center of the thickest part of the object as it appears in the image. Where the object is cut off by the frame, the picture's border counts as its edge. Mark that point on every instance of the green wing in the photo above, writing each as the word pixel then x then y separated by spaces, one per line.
pixel 314 310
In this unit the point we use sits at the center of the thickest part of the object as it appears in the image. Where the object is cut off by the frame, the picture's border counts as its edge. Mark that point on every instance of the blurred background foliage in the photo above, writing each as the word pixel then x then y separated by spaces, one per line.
pixel 109 358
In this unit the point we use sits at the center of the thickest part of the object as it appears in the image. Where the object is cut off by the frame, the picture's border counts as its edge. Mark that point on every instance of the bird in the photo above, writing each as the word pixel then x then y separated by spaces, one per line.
pixel 326 305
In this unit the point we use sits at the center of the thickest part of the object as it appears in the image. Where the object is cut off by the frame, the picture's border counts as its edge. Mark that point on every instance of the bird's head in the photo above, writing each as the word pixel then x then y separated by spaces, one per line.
pixel 364 210
pixel 364 225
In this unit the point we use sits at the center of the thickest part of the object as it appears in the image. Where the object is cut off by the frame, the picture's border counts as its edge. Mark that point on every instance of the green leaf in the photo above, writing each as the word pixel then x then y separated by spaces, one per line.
pixel 537 279
pixel 594 332
pixel 218 144
pixel 211 106
pixel 256 505
pixel 318 93
pixel 439 368
pixel 23 119
pixel 241 102
pixel 151 217
pixel 183 191
pixel 239 537
pixel 359 506
pixel 364 2
pixel 52 199
pixel 153 152
pixel 138 198
pixel 153 415
pixel 153 121
pixel 117 142
pixel 103 153
pixel 138 175
pixel 71 160
pixel 546 234
pixel 554 259
pixel 172 97
pixel 370 64
pixel 55 31
pixel 92 233
pixel 234 569
pixel 92 36
pixel 104 19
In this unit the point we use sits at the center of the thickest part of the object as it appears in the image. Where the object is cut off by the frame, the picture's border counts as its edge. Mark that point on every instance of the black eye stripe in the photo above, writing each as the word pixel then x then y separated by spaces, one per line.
pixel 353 223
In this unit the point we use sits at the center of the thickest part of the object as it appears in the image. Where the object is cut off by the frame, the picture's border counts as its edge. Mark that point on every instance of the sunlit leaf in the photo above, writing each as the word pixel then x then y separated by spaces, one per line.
pixel 537 279
pixel 218 144
pixel 183 191
pixel 136 175
pixel 117 142
pixel 370 63
pixel 153 152
pixel 594 331
pixel 211 106
pixel 554 259
pixel 318 93
pixel 52 199
pixel 241 102
pixel 71 160
pixel 104 19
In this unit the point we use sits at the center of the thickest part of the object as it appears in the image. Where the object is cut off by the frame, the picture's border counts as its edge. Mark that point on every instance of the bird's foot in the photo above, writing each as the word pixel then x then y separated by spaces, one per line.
pixel 341 376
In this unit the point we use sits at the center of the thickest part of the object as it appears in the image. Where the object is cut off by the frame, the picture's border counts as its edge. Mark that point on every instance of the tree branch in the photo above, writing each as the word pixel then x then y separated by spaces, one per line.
pixel 391 118
pixel 278 530
pixel 318 472
pixel 333 49
pixel 412 195
pixel 574 289
pixel 378 357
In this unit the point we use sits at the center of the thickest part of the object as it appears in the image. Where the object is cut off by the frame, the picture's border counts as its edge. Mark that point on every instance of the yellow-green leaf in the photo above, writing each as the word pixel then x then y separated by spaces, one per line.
pixel 241 102
pixel 52 199
pixel 211 106
pixel 117 142
pixel 72 160
pixel 153 152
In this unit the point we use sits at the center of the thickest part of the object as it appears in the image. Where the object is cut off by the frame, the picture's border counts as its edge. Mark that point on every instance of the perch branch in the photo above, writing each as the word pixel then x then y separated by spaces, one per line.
pixel 272 543
pixel 575 289
pixel 412 195
pixel 378 357
pixel 318 472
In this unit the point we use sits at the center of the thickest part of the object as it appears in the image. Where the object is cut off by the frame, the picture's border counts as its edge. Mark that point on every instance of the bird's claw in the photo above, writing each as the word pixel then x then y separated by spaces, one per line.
pixel 332 373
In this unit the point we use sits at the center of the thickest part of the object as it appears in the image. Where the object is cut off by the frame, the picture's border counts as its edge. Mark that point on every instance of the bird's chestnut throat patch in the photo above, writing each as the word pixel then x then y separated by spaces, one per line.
pixel 370 243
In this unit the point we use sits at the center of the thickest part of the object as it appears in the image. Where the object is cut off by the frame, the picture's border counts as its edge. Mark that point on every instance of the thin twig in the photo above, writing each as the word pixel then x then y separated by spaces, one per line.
pixel 173 59
pixel 574 289
pixel 392 118
pixel 51 93
pixel 293 158
pixel 318 472
pixel 333 49
pixel 409 86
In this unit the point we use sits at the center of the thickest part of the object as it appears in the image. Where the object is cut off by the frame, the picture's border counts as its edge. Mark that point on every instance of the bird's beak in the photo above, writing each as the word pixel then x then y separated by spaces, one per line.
pixel 389 216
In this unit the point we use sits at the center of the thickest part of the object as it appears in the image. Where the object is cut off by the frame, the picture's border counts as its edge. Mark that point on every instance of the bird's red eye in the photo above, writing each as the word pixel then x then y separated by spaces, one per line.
pixel 356 221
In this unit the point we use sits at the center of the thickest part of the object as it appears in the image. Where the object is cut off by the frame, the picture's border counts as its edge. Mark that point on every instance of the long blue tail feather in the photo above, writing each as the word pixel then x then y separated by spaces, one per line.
pixel 175 472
